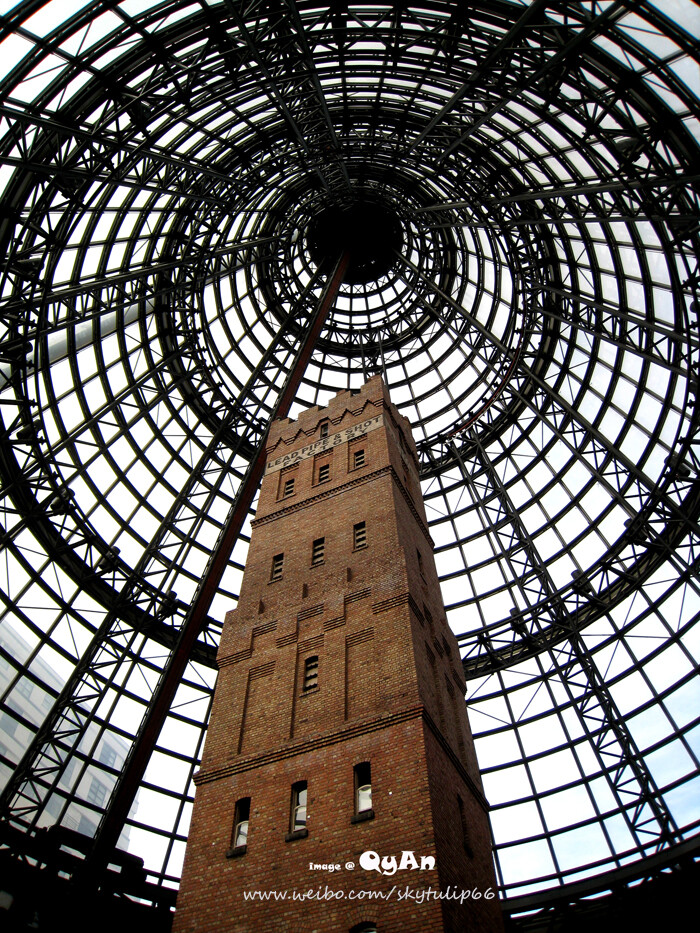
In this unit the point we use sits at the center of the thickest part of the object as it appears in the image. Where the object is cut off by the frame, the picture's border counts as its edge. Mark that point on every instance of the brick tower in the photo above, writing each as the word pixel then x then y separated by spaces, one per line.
pixel 339 726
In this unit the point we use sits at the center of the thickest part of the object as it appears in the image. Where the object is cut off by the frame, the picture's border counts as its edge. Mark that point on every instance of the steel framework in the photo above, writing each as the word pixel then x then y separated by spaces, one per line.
pixel 164 165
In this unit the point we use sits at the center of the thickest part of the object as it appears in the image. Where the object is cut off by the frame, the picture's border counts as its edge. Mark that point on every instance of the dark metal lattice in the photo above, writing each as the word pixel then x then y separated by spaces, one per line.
pixel 166 168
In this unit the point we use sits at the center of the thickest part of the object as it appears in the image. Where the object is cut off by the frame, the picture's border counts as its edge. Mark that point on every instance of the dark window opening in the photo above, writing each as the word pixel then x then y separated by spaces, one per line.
pixel 299 806
pixel 297 814
pixel 239 837
pixel 324 472
pixel 287 482
pixel 318 551
pixel 277 565
pixel 358 459
pixel 362 775
pixel 324 429
pixel 311 673
pixel 359 535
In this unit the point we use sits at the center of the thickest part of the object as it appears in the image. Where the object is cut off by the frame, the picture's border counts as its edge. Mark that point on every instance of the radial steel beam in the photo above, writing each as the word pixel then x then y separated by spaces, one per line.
pixel 625 769
pixel 593 28
pixel 292 84
pixel 621 462
pixel 501 50
pixel 93 286
pixel 39 771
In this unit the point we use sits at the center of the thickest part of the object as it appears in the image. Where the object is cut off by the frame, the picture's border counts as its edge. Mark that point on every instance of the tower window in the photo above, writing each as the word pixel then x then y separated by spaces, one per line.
pixel 363 792
pixel 421 568
pixel 277 565
pixel 358 458
pixel 239 839
pixel 322 467
pixel 297 814
pixel 359 535
pixel 318 551
pixel 324 429
pixel 311 673
pixel 287 482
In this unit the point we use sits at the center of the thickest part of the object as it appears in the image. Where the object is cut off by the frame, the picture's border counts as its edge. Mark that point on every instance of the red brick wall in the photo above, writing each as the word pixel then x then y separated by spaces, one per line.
pixel 390 692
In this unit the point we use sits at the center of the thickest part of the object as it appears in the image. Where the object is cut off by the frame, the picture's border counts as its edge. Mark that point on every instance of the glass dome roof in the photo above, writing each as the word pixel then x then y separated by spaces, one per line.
pixel 519 183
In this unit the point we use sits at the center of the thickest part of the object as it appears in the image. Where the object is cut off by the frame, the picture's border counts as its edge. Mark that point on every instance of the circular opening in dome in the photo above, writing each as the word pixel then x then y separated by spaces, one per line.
pixel 370 232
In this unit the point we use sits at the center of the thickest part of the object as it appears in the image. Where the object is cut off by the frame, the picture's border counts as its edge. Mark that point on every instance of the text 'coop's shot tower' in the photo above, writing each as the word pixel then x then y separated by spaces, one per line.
pixel 339 724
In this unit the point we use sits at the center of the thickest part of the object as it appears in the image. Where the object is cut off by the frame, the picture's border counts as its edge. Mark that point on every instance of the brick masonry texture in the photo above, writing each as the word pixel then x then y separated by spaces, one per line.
pixel 390 691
